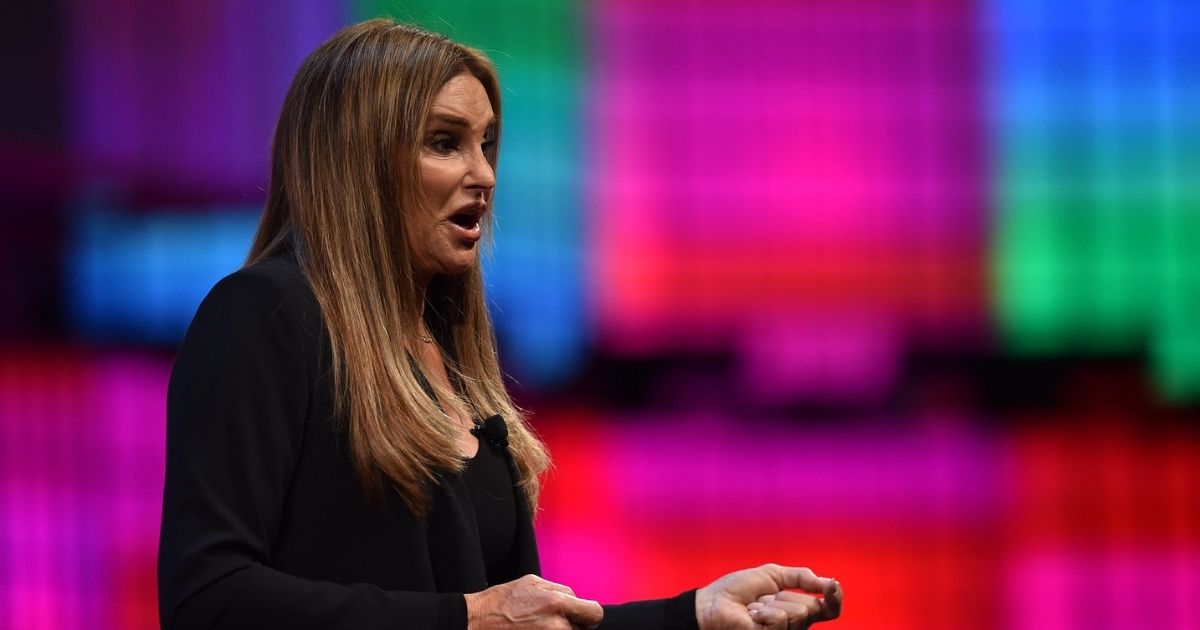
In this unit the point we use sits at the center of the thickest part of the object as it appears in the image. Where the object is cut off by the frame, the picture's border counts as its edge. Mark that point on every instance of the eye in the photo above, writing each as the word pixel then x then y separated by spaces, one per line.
pixel 443 143
pixel 488 145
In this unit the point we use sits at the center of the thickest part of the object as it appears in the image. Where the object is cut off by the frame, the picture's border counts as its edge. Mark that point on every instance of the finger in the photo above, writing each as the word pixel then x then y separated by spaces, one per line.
pixel 795 577
pixel 799 612
pixel 542 582
pixel 830 607
pixel 582 612
pixel 753 608
pixel 833 600
pixel 794 597
pixel 767 616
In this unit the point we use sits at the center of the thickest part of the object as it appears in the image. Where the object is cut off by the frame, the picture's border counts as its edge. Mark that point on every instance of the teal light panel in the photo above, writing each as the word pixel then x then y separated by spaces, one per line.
pixel 536 275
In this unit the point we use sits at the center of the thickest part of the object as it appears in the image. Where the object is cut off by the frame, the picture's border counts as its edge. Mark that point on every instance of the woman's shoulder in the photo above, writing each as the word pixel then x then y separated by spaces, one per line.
pixel 279 276
pixel 275 289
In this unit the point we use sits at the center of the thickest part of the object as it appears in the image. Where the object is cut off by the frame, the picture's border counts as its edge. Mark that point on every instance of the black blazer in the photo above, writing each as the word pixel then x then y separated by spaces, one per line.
pixel 264 523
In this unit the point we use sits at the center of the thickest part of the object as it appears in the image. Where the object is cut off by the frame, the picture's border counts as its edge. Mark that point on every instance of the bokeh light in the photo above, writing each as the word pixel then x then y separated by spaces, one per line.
pixel 904 291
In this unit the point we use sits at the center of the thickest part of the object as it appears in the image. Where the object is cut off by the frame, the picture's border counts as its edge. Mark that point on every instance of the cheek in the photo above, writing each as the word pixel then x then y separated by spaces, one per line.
pixel 437 180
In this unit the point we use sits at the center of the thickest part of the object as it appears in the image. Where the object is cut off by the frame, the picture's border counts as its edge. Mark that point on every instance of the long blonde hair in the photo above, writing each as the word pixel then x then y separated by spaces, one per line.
pixel 344 177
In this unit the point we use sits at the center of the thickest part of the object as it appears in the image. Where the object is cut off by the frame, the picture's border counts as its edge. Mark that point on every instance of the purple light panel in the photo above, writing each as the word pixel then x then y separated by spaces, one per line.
pixel 178 99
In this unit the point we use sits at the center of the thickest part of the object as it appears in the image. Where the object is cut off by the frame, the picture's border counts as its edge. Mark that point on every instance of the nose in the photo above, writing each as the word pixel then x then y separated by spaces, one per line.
pixel 481 177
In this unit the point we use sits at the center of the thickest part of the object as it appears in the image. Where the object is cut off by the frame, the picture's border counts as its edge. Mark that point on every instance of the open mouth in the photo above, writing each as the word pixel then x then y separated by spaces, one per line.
pixel 466 220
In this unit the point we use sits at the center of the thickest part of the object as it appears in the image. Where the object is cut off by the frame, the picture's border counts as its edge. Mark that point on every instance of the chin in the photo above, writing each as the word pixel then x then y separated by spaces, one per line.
pixel 458 268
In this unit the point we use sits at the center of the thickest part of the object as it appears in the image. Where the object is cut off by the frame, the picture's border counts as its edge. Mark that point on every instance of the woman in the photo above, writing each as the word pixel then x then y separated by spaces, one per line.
pixel 327 461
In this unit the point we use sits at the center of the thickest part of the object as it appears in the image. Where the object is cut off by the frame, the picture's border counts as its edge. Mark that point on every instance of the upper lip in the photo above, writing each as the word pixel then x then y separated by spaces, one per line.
pixel 475 209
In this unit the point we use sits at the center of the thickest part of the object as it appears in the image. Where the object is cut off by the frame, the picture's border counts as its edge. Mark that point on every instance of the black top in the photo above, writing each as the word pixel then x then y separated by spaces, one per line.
pixel 264 522
pixel 492 496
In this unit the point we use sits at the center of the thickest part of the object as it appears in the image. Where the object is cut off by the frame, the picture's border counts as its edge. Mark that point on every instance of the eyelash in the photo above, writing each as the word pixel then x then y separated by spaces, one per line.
pixel 446 144
pixel 443 144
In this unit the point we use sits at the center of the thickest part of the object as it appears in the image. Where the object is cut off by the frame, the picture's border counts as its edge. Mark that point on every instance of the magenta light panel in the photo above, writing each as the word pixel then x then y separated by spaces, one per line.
pixel 81 473
pixel 798 170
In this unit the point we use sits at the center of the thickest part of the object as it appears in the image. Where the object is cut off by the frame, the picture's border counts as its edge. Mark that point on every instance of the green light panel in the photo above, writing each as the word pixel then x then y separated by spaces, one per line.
pixel 1097 184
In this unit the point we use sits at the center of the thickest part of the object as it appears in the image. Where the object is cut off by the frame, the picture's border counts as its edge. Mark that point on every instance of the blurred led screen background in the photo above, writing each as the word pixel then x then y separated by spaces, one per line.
pixel 907 291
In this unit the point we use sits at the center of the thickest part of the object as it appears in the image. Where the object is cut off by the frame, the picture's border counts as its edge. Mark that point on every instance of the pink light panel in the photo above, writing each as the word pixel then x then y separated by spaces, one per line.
pixel 1081 520
pixel 815 169
pixel 929 522
pixel 81 472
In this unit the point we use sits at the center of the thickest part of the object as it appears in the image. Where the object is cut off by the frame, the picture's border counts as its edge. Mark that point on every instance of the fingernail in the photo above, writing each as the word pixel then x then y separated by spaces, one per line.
pixel 766 598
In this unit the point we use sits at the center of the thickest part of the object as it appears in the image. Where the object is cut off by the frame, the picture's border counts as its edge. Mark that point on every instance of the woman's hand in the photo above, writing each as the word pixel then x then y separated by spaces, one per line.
pixel 531 602
pixel 751 598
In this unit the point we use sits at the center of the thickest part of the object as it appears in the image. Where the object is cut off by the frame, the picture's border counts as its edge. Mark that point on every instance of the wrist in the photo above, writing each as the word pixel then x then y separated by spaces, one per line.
pixel 473 605
pixel 704 599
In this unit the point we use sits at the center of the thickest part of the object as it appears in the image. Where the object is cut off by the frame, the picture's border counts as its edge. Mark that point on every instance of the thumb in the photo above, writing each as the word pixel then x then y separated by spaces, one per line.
pixel 585 613
pixel 801 578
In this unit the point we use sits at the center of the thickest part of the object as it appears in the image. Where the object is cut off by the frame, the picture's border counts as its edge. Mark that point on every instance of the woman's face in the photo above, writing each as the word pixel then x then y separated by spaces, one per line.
pixel 456 179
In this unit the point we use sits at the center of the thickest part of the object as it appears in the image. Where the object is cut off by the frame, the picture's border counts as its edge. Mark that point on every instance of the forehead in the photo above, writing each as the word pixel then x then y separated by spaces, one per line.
pixel 463 98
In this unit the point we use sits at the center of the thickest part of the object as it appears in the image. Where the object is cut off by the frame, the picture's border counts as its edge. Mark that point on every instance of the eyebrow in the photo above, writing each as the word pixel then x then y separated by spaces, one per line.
pixel 455 119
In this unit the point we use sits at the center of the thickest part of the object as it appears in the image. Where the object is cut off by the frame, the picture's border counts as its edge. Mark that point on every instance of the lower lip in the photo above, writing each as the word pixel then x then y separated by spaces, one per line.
pixel 472 233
